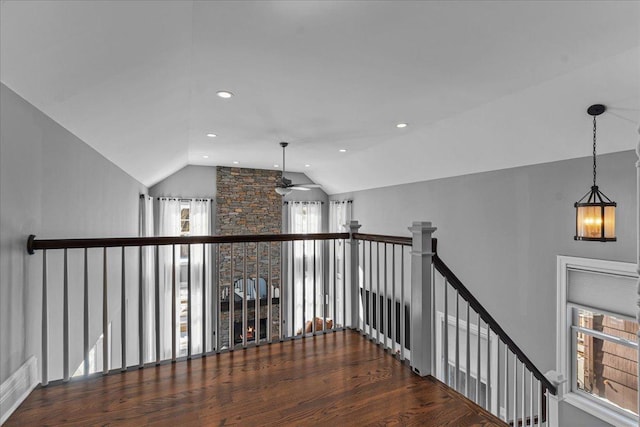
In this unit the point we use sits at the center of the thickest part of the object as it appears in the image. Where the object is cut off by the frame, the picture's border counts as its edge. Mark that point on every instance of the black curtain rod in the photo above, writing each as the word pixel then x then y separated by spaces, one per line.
pixel 182 199
pixel 340 201
pixel 286 202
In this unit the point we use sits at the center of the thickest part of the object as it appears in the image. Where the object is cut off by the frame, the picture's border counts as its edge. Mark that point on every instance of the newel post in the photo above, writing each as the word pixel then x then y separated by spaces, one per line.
pixel 354 279
pixel 421 304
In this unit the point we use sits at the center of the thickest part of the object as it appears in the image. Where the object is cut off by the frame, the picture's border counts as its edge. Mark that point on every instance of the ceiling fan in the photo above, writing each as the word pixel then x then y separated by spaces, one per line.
pixel 285 186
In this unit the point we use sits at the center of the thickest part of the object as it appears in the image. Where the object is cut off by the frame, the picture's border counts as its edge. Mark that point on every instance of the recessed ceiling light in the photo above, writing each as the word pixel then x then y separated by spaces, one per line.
pixel 205 157
pixel 211 135
pixel 342 150
pixel 276 166
pixel 235 162
pixel 306 166
pixel 224 94
pixel 401 125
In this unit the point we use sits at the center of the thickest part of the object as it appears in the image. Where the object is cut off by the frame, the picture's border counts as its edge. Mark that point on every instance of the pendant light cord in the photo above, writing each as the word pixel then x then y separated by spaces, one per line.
pixel 594 151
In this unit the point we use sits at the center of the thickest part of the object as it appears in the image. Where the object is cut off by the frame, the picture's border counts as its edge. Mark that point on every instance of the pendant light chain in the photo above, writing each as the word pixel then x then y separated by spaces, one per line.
pixel 594 151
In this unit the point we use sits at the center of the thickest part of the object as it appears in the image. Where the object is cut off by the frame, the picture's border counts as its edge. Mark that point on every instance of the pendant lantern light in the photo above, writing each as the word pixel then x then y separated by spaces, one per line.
pixel 595 212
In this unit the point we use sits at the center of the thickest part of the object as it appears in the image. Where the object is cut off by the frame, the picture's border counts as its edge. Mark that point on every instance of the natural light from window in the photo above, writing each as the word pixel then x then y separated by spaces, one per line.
pixel 606 358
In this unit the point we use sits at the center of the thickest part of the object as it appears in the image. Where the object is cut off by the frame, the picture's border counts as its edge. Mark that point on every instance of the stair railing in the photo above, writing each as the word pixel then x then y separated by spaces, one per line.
pixel 470 351
pixel 480 360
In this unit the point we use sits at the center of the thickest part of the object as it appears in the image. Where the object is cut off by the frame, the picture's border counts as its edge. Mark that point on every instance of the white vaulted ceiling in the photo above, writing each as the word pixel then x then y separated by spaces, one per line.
pixel 482 85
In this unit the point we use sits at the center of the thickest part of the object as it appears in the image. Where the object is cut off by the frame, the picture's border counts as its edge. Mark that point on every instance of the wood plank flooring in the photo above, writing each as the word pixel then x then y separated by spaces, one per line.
pixel 338 379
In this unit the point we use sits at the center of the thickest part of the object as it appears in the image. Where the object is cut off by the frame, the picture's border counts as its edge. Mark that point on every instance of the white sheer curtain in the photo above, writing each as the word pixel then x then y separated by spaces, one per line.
pixel 145 229
pixel 306 217
pixel 200 225
pixel 168 225
pixel 339 217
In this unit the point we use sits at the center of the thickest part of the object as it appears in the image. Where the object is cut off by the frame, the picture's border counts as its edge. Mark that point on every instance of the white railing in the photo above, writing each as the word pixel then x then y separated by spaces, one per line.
pixel 151 300
pixel 478 359
pixel 168 298
pixel 412 304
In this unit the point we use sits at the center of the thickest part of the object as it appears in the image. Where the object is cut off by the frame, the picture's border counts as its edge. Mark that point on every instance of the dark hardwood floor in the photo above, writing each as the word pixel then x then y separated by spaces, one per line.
pixel 332 380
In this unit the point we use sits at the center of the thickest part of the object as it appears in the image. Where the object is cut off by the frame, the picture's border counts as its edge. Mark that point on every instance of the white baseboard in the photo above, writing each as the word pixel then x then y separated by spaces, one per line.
pixel 15 389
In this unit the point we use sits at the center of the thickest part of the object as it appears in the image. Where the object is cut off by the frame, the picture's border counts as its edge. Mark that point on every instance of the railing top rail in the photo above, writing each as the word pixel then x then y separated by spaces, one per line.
pixel 34 244
pixel 398 240
pixel 491 322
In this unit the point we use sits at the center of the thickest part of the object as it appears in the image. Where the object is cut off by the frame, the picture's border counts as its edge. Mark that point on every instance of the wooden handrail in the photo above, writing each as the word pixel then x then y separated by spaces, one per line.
pixel 33 244
pixel 398 240
pixel 490 321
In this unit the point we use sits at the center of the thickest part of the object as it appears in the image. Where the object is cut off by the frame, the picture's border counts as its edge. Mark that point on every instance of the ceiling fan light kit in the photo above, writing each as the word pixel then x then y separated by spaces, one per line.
pixel 283 191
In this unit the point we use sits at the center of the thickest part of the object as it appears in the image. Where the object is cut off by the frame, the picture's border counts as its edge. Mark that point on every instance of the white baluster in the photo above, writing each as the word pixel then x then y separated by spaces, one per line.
pixel 524 401
pixel 487 401
pixel 65 319
pixel 506 382
pixel 105 316
pixel 456 372
pixel 123 314
pixel 446 332
pixel 478 358
pixel 515 390
pixel 531 397
pixel 638 248
pixel 45 323
pixel 540 414
pixel 467 365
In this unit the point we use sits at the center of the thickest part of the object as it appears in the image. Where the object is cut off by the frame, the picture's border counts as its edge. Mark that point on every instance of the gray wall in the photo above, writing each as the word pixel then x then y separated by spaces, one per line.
pixel 190 181
pixel 501 231
pixel 52 185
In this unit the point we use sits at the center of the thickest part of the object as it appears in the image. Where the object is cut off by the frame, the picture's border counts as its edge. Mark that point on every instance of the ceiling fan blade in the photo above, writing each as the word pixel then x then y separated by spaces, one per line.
pixel 299 188
pixel 304 185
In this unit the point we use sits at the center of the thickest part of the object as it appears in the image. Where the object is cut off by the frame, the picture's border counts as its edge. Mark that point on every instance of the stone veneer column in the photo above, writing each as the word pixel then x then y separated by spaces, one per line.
pixel 246 203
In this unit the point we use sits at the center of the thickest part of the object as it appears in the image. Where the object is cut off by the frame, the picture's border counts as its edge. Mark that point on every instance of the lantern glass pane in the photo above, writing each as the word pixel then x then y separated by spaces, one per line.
pixel 609 222
pixel 589 221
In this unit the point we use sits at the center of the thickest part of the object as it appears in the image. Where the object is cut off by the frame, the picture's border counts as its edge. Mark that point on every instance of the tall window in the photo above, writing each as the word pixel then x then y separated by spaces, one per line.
pixel 304 218
pixel 146 229
pixel 339 216
pixel 597 342
pixel 183 217
pixel 183 307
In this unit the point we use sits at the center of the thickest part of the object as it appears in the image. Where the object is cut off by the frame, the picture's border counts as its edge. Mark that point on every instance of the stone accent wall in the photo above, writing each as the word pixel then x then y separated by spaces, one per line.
pixel 246 203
